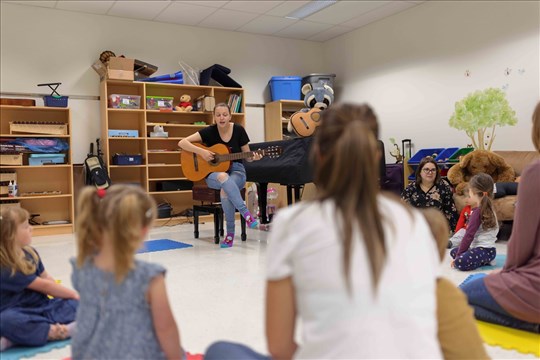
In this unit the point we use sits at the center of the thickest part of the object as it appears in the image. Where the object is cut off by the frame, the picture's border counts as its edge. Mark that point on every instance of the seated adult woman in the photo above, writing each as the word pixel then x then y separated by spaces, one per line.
pixel 428 190
pixel 511 297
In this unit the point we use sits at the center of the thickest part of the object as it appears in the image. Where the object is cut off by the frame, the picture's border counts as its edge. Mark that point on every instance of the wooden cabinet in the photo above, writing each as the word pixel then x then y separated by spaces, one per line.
pixel 47 189
pixel 276 117
pixel 160 155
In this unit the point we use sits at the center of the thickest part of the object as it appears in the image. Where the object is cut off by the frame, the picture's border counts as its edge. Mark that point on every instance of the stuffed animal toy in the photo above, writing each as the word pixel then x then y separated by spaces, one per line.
pixel 304 122
pixel 185 104
pixel 479 161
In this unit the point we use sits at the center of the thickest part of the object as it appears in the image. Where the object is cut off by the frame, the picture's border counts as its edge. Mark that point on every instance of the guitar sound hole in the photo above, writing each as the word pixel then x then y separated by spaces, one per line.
pixel 213 162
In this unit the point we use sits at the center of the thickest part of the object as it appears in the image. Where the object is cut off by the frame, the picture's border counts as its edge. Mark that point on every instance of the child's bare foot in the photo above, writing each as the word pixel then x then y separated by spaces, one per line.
pixel 58 332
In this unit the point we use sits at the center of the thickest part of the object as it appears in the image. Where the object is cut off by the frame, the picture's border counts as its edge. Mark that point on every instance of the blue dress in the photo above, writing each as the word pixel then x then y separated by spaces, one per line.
pixel 114 320
pixel 26 315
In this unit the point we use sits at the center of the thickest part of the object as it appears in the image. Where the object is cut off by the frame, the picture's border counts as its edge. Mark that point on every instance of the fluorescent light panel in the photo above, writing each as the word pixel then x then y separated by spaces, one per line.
pixel 310 8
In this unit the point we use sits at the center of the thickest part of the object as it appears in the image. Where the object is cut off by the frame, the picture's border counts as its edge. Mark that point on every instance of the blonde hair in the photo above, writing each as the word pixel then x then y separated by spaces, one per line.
pixel 438 225
pixel 536 127
pixel 482 185
pixel 10 257
pixel 346 170
pixel 121 212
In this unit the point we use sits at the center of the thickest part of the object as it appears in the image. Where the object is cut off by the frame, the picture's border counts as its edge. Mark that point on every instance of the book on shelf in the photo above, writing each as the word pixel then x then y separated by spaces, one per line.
pixel 235 102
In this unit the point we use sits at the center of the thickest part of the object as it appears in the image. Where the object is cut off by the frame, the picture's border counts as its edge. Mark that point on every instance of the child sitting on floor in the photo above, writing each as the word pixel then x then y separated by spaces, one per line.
pixel 28 316
pixel 124 311
pixel 478 245
pixel 457 331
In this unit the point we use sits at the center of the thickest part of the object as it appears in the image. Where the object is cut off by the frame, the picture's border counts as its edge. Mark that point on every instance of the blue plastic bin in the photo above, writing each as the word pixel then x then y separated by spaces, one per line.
pixel 55 101
pixel 444 157
pixel 286 87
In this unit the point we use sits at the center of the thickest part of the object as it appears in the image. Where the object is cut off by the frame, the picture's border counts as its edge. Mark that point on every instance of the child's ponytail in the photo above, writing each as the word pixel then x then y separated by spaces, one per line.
pixel 87 226
pixel 482 185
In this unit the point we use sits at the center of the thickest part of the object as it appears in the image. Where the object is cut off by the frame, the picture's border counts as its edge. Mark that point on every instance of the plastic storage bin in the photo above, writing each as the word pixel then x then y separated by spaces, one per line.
pixel 319 80
pixel 42 159
pixel 286 87
pixel 159 102
pixel 55 101
pixel 125 159
pixel 454 158
pixel 117 101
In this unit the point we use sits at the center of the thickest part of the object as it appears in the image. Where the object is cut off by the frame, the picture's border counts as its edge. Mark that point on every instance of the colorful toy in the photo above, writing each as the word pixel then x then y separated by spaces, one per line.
pixel 185 104
pixel 304 122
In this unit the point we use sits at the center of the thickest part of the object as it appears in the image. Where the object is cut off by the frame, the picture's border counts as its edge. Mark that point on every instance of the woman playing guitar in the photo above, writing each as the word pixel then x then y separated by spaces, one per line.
pixel 223 131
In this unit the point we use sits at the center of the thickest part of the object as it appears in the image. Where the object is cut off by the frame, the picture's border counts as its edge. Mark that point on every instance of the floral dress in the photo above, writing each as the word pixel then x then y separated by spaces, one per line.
pixel 439 196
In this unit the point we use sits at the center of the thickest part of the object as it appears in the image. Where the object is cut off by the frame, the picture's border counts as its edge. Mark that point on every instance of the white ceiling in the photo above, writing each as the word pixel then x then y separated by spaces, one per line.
pixel 257 17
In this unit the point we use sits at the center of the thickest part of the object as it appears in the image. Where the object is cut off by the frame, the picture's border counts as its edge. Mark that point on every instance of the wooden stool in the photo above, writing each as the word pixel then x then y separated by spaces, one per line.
pixel 211 203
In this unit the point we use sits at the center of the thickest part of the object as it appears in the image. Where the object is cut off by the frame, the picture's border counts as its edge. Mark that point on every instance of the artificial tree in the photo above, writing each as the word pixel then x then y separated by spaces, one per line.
pixel 479 114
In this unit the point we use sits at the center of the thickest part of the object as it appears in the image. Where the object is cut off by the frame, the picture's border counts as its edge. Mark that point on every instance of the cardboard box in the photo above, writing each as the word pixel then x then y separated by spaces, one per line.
pixel 116 69
pixel 205 103
pixel 11 159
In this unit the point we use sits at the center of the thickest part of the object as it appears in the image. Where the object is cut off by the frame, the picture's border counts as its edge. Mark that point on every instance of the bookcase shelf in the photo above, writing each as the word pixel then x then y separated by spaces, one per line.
pixel 49 187
pixel 161 155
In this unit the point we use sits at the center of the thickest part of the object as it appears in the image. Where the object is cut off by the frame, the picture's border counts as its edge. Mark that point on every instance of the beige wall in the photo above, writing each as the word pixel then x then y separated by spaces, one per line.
pixel 40 45
pixel 410 67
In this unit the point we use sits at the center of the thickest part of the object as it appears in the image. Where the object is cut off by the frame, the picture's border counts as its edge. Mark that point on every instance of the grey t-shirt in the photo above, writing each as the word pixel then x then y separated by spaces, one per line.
pixel 114 320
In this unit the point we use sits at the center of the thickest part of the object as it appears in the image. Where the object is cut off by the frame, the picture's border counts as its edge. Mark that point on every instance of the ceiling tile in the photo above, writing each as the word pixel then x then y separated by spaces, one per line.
pixel 286 7
pixel 258 7
pixel 227 19
pixel 49 4
pixel 94 7
pixel 267 24
pixel 214 4
pixel 345 10
pixel 185 14
pixel 145 10
pixel 331 33
pixel 378 14
pixel 302 29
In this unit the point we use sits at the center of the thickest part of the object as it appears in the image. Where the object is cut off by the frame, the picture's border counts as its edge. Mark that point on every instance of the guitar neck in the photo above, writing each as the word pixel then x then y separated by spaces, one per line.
pixel 237 156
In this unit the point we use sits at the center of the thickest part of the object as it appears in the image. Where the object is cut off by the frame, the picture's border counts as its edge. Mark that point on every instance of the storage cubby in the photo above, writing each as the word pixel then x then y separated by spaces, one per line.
pixel 46 189
pixel 161 155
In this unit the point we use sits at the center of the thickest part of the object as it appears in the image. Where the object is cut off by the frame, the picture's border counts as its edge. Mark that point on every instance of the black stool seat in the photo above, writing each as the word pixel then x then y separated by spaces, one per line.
pixel 211 203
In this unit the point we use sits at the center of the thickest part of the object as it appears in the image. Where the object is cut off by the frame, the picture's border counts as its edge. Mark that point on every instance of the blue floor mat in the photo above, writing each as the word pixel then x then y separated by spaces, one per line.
pixel 162 245
pixel 499 263
pixel 19 352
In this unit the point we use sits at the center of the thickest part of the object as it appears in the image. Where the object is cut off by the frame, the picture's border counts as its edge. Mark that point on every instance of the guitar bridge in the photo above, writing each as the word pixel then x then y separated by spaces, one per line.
pixel 195 162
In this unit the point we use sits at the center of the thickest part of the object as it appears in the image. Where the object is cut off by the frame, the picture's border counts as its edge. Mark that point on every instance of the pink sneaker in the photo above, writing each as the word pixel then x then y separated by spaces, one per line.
pixel 228 241
pixel 251 222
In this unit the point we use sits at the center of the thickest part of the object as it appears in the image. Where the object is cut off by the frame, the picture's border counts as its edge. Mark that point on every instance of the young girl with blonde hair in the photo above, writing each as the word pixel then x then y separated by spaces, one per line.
pixel 27 315
pixel 477 248
pixel 124 311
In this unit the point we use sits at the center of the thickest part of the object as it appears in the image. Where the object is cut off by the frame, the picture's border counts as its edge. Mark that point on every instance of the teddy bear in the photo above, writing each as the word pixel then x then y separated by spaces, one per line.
pixel 185 104
pixel 479 161
pixel 316 99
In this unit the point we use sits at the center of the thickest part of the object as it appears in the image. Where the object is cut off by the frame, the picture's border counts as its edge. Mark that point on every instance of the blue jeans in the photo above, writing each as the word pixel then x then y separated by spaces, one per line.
pixel 488 310
pixel 232 199
pixel 223 350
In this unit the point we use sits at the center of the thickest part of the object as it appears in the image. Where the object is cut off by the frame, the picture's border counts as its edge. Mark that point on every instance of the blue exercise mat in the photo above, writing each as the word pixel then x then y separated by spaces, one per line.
pixel 499 263
pixel 19 352
pixel 162 245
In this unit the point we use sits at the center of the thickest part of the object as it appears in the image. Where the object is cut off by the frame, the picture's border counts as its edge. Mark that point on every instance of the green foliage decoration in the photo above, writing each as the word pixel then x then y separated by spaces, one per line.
pixel 480 113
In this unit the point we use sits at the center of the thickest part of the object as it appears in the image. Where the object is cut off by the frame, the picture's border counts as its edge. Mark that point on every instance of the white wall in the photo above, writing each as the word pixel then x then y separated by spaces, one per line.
pixel 410 67
pixel 40 45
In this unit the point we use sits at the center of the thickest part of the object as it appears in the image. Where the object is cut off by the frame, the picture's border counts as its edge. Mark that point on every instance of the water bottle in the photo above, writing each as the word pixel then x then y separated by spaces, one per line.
pixel 15 188
pixel 10 189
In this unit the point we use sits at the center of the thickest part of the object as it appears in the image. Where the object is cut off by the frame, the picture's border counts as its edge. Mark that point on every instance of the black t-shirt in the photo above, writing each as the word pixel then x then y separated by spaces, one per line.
pixel 210 136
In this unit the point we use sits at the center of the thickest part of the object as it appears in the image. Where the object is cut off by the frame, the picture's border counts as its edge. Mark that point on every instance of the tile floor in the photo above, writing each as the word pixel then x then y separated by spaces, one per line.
pixel 215 293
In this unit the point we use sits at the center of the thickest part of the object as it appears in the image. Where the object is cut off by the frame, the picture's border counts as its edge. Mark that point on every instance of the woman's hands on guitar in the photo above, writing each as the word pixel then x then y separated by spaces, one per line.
pixel 256 156
pixel 207 155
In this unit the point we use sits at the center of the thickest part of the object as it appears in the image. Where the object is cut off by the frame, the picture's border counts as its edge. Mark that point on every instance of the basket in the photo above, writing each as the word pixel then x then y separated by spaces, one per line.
pixel 55 101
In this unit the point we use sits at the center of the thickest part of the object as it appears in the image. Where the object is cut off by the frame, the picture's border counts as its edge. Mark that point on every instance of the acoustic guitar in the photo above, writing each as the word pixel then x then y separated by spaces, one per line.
pixel 305 122
pixel 195 168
